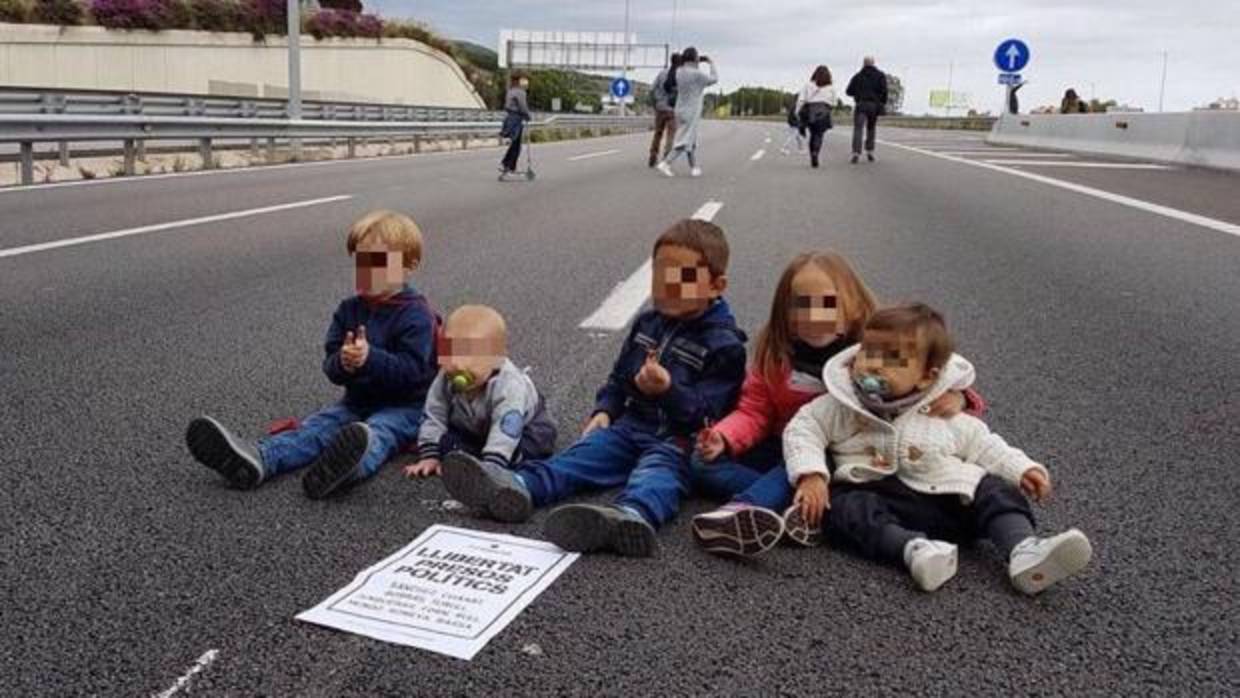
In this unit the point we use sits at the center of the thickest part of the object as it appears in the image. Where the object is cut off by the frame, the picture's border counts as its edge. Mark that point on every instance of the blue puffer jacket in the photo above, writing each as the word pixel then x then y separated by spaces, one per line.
pixel 705 357
pixel 402 361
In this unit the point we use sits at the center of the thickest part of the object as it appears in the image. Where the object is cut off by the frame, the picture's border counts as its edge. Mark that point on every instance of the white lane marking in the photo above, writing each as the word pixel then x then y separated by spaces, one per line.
pixel 758 155
pixel 587 156
pixel 1077 163
pixel 99 237
pixel 1148 207
pixel 630 295
pixel 768 140
pixel 203 662
pixel 1010 154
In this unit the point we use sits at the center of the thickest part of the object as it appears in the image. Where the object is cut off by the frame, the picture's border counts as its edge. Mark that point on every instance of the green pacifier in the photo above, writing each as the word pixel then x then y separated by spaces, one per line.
pixel 462 380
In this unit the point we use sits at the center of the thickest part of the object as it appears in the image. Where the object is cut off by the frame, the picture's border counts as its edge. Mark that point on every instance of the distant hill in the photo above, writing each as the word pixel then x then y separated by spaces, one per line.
pixel 479 55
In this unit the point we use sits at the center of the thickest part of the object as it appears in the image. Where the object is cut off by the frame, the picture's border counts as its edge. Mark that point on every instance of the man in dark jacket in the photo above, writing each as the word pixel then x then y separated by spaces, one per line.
pixel 868 88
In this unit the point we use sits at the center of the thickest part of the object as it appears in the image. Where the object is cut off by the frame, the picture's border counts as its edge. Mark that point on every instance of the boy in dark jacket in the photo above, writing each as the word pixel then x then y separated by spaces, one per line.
pixel 680 369
pixel 380 348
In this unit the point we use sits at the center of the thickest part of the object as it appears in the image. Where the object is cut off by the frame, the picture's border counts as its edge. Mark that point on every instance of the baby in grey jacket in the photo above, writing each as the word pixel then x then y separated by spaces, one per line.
pixel 480 402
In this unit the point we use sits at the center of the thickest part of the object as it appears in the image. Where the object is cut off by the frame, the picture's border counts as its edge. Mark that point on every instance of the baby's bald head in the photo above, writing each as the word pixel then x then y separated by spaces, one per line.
pixel 477 322
pixel 475 340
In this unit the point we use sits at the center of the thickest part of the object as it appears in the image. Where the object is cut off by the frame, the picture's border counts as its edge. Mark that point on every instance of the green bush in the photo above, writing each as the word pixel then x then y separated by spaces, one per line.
pixel 62 12
pixel 15 11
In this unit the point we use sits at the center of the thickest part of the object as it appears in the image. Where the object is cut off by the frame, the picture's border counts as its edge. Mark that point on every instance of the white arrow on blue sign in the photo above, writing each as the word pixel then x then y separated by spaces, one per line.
pixel 1012 56
pixel 620 88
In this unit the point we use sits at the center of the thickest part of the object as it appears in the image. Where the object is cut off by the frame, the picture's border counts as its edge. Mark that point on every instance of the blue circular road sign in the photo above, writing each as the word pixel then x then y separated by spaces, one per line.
pixel 620 88
pixel 1012 56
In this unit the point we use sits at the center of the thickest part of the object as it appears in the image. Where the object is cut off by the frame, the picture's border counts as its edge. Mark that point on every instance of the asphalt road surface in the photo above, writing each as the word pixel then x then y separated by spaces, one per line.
pixel 1098 302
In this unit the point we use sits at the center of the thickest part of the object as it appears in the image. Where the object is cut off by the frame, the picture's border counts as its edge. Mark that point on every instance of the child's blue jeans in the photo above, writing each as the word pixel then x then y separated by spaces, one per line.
pixel 758 477
pixel 391 429
pixel 653 470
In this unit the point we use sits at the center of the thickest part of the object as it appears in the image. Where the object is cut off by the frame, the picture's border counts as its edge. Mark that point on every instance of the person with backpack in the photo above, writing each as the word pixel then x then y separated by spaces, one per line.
pixel 814 105
pixel 868 88
pixel 663 99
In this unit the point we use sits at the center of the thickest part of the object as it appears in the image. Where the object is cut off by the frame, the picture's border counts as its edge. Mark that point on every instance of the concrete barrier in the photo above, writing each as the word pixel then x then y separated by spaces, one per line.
pixel 1201 138
pixel 393 71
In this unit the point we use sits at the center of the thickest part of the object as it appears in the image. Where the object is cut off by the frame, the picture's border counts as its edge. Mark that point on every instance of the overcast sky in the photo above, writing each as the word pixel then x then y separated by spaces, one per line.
pixel 1110 48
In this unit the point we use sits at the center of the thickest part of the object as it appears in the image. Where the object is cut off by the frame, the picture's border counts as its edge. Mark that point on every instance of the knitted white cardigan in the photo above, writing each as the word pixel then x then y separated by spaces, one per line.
pixel 929 454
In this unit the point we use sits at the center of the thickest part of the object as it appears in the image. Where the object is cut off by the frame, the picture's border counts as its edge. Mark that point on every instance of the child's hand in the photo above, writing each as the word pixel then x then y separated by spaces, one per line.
pixel 948 405
pixel 355 350
pixel 1036 484
pixel 427 467
pixel 710 444
pixel 813 497
pixel 653 380
pixel 601 420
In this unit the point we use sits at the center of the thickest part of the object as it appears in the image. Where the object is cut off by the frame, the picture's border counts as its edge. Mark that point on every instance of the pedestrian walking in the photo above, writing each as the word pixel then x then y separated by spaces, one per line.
pixel 868 88
pixel 814 105
pixel 691 83
pixel 663 94
pixel 516 104
pixel 796 130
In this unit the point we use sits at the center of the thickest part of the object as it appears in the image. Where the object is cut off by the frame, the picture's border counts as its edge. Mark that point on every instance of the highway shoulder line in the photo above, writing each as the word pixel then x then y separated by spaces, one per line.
pixel 1148 207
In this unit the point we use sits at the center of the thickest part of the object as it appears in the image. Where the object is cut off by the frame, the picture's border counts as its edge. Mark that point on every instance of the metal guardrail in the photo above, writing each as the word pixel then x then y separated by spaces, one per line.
pixel 133 131
pixel 31 100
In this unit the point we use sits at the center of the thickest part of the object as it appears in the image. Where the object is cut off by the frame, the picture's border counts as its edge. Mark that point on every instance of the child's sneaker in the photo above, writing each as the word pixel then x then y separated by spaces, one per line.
pixel 587 528
pixel 798 530
pixel 738 529
pixel 215 447
pixel 665 169
pixel 486 487
pixel 1037 563
pixel 695 172
pixel 931 562
pixel 338 463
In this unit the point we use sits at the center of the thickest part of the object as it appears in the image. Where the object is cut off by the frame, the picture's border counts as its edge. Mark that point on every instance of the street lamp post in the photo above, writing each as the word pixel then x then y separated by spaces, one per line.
pixel 1162 88
pixel 623 107
pixel 294 70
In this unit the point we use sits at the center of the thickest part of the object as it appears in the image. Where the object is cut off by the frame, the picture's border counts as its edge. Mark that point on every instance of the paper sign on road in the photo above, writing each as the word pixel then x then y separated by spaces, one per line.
pixel 449 591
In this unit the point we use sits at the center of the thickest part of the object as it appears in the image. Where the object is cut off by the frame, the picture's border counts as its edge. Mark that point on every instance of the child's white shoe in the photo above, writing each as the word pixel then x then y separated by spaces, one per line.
pixel 931 562
pixel 695 172
pixel 1037 563
pixel 665 169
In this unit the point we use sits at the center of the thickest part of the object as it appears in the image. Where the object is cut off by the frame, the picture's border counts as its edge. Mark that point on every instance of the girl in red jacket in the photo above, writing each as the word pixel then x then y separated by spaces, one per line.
pixel 819 309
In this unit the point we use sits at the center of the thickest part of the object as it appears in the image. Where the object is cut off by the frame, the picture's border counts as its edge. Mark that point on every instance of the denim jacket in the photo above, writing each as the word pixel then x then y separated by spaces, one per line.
pixel 705 357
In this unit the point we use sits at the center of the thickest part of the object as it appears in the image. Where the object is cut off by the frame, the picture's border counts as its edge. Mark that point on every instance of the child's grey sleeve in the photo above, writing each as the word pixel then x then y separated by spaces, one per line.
pixel 435 414
pixel 513 400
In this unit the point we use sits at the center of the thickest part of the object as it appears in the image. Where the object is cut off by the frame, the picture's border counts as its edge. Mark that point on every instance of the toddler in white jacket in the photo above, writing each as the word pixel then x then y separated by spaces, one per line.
pixel 906 486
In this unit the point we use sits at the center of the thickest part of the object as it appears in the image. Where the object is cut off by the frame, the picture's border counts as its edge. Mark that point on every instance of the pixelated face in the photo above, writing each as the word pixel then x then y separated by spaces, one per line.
pixel 380 270
pixel 479 356
pixel 683 286
pixel 897 359
pixel 815 311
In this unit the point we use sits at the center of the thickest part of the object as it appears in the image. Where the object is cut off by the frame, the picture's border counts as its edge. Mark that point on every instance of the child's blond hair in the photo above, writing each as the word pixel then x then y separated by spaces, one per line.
pixel 396 230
